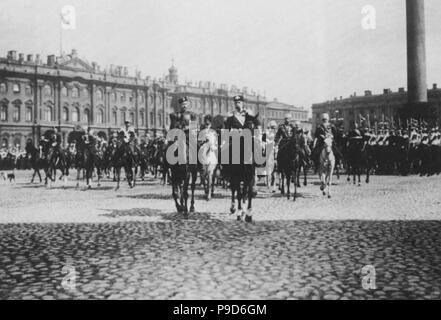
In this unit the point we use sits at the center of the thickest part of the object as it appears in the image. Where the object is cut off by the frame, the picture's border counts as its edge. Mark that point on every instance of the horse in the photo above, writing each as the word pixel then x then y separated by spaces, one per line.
pixel 53 159
pixel 124 157
pixel 180 175
pixel 143 161
pixel 244 172
pixel 303 161
pixel 326 166
pixel 357 158
pixel 156 162
pixel 209 162
pixel 83 155
pixel 288 163
pixel 37 162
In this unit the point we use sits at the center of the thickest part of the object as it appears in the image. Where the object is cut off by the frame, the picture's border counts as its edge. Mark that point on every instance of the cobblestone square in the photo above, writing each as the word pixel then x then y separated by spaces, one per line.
pixel 131 244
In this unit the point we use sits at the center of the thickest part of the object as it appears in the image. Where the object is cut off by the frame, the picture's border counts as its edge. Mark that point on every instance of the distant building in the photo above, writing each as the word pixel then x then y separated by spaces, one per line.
pixel 371 110
pixel 277 110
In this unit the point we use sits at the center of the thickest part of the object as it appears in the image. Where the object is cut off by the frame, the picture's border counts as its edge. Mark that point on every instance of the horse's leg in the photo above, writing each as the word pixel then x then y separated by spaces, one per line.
pixel 89 173
pixel 98 172
pixel 249 214
pixel 288 185
pixel 282 183
pixel 117 174
pixel 33 176
pixel 297 176
pixel 239 190
pixel 354 173
pixel 367 172
pixel 233 200
pixel 186 184
pixel 359 175
pixel 176 196
pixel 305 180
pixel 134 176
pixel 212 180
pixel 194 176
pixel 297 173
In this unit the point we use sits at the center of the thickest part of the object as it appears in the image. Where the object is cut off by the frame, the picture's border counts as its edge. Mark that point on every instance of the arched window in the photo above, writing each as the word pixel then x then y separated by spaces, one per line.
pixel 123 97
pixel 3 88
pixel 47 113
pixel 114 97
pixel 132 118
pixel 141 118
pixel 99 94
pixel 65 114
pixel 5 143
pixel 28 90
pixel 29 114
pixel 64 92
pixel 123 117
pixel 86 116
pixel 16 114
pixel 167 118
pixel 100 116
pixel 4 113
pixel 47 89
pixel 85 93
pixel 75 92
pixel 16 88
pixel 159 120
pixel 115 116
pixel 76 114
pixel 150 100
pixel 152 118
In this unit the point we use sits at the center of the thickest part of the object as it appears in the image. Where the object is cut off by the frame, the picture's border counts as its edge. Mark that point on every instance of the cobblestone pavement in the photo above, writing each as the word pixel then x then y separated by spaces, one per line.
pixel 131 244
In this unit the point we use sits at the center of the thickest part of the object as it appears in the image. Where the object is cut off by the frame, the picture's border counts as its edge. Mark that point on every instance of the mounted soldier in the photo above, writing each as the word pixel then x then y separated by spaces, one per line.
pixel 284 132
pixel 324 130
pixel 180 118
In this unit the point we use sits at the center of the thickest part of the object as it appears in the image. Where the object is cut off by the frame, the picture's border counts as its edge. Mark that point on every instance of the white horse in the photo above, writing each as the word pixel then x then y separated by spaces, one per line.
pixel 326 168
pixel 208 159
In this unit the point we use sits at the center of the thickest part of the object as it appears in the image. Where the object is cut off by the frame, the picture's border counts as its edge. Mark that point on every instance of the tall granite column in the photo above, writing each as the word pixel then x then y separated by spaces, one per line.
pixel 416 52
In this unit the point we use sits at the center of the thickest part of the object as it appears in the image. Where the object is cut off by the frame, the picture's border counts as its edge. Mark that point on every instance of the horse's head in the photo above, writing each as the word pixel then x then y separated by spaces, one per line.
pixel 328 144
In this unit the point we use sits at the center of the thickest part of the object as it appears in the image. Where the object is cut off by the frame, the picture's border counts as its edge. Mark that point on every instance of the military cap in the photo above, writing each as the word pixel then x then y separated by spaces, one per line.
pixel 238 98
pixel 182 100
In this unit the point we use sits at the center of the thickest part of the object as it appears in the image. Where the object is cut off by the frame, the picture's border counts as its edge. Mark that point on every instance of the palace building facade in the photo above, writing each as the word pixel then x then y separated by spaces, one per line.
pixel 371 110
pixel 66 92
pixel 276 111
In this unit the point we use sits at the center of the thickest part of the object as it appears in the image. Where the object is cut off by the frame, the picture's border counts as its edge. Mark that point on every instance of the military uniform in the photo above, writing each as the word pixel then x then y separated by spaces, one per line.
pixel 284 133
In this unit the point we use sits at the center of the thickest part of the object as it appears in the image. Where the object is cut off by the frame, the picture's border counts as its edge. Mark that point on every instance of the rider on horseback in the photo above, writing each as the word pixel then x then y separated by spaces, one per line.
pixel 284 132
pixel 129 136
pixel 178 119
pixel 325 130
pixel 55 146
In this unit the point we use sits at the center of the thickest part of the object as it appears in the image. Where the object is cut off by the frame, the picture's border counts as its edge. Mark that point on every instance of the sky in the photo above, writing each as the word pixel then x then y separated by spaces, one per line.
pixel 298 51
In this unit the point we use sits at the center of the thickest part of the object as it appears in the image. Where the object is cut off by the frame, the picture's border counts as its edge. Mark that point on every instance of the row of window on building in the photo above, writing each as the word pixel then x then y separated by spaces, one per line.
pixel 47 114
pixel 74 92
pixel 281 114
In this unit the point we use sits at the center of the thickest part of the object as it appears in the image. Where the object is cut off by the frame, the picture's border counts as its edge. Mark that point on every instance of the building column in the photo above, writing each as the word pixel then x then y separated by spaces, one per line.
pixel 416 52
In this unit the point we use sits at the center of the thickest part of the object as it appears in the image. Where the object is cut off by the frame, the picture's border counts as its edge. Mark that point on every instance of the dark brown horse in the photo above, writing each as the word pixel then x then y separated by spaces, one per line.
pixel 288 163
pixel 244 172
